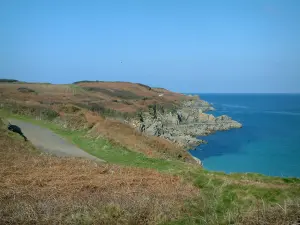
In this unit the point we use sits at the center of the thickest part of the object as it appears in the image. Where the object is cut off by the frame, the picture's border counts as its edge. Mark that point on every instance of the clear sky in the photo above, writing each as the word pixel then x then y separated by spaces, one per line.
pixel 185 46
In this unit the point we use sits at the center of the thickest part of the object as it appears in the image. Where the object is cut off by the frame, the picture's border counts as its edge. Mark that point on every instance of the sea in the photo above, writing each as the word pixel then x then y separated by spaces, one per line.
pixel 269 141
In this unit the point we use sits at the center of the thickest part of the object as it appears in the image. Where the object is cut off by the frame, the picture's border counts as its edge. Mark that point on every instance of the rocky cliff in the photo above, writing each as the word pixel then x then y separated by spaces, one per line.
pixel 183 124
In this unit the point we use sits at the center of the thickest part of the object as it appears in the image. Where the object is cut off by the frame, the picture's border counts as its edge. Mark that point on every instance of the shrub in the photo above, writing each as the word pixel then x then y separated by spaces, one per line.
pixel 26 90
pixel 31 110
pixel 87 81
pixel 8 81
pixel 145 86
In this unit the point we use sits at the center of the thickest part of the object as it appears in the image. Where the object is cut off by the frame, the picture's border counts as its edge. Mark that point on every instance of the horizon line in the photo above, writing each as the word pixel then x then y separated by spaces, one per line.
pixel 259 93
pixel 188 93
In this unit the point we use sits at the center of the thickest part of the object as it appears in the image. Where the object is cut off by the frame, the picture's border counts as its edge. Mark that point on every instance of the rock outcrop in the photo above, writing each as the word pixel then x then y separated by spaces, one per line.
pixel 183 125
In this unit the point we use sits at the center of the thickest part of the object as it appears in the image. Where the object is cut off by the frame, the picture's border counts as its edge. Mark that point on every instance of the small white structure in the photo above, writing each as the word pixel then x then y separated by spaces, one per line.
pixel 160 95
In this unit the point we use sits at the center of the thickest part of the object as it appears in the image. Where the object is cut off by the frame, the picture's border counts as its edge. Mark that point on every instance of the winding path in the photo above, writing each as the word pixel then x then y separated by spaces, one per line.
pixel 51 143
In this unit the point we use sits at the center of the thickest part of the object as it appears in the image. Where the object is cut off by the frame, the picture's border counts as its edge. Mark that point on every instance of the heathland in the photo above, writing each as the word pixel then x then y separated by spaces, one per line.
pixel 148 177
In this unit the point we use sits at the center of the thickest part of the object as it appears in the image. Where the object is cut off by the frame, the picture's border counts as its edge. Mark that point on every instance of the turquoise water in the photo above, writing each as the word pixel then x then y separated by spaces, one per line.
pixel 268 143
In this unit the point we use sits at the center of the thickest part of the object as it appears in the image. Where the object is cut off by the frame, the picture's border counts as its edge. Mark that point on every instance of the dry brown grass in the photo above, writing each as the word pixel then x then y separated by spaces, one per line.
pixel 119 96
pixel 126 136
pixel 287 213
pixel 39 189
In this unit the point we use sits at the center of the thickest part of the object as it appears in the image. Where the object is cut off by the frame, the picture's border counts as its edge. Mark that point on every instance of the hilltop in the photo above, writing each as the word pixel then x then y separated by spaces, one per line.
pixel 104 97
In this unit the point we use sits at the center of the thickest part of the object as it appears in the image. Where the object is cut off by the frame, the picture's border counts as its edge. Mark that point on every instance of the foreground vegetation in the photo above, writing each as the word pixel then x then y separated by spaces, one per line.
pixel 132 189
pixel 40 189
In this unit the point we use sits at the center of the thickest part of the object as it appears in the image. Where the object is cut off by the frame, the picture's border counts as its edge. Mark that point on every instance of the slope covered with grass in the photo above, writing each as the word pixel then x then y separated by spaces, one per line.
pixel 142 189
pixel 104 106
pixel 41 189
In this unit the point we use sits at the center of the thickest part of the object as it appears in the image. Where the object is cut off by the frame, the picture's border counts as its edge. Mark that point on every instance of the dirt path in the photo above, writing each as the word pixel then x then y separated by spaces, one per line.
pixel 49 142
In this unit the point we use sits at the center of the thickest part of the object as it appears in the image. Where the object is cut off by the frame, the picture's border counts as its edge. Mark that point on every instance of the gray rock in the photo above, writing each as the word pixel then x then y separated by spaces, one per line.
pixel 183 126
pixel 155 129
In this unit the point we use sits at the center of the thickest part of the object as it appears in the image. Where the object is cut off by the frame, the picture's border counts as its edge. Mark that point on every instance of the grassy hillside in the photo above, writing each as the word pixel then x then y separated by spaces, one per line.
pixel 120 98
pixel 103 106
pixel 40 189
pixel 197 196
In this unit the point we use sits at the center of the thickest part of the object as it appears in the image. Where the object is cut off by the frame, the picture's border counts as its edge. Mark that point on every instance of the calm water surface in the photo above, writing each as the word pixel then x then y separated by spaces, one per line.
pixel 268 143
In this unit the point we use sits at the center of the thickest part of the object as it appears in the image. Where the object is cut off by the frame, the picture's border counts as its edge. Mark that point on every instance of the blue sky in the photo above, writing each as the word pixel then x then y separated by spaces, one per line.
pixel 185 46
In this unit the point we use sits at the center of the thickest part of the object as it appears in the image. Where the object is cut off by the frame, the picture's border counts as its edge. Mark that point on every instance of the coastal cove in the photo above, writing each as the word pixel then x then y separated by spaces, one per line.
pixel 268 143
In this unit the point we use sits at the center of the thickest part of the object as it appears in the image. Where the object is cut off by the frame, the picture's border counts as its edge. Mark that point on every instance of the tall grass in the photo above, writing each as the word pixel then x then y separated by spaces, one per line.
pixel 41 189
pixel 223 200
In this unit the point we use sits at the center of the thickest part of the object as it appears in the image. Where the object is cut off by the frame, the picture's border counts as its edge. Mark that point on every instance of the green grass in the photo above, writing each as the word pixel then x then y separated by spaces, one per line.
pixel 76 89
pixel 223 201
pixel 119 155
pixel 103 149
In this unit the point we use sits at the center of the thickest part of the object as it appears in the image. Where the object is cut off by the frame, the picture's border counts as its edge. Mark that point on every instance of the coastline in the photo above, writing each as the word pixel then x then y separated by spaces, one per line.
pixel 271 136
pixel 185 124
pixel 197 160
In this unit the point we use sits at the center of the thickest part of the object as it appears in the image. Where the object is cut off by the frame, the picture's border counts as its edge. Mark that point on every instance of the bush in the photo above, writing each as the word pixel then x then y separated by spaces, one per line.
pixel 87 81
pixel 26 90
pixel 106 112
pixel 145 86
pixel 8 81
pixel 69 108
pixel 31 110
pixel 1 123
pixel 48 114
pixel 115 93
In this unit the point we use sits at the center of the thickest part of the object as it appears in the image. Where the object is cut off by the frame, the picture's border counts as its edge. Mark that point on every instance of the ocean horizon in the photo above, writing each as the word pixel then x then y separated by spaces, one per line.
pixel 269 141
